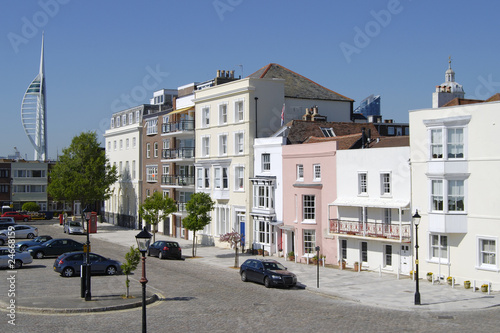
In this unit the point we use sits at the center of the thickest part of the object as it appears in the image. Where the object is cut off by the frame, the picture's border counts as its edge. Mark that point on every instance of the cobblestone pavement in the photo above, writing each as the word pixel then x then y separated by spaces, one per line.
pixel 200 296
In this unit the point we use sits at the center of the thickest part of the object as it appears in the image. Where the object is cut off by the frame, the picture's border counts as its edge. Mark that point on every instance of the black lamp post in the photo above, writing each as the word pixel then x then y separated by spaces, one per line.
pixel 87 271
pixel 416 221
pixel 143 238
pixel 317 266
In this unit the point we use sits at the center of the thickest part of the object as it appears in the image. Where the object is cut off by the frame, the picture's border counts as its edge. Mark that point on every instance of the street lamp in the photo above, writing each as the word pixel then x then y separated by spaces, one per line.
pixel 143 238
pixel 416 221
pixel 87 271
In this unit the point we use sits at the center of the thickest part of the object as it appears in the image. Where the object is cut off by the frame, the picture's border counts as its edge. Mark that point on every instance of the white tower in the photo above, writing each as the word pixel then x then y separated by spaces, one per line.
pixel 34 113
pixel 447 90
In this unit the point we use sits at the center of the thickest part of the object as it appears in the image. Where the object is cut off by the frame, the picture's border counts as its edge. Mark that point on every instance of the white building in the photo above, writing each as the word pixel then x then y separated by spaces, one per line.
pixel 455 163
pixel 373 206
pixel 448 90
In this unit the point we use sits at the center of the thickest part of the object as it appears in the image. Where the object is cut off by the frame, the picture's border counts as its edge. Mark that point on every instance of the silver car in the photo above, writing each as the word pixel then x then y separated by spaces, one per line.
pixel 73 227
pixel 14 259
pixel 20 231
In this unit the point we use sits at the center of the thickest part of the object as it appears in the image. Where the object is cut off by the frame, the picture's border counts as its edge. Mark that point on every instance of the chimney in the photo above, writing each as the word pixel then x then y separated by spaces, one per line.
pixel 223 73
pixel 363 137
pixel 232 75
pixel 218 73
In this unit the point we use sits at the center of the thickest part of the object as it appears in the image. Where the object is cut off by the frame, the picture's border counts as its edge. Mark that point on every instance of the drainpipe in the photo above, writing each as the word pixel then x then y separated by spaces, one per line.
pixel 256 99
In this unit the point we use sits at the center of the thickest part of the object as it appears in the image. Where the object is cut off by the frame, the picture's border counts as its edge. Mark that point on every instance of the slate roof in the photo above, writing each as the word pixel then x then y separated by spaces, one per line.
pixel 390 141
pixel 298 86
pixel 343 142
pixel 464 101
pixel 300 130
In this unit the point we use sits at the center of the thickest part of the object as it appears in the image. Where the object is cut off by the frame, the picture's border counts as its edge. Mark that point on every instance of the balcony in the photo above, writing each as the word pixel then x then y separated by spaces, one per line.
pixel 178 153
pixel 174 180
pixel 371 229
pixel 180 126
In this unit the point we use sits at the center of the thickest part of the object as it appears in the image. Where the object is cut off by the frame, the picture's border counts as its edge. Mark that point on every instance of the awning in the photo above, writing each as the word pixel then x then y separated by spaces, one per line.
pixel 371 202
pixel 181 110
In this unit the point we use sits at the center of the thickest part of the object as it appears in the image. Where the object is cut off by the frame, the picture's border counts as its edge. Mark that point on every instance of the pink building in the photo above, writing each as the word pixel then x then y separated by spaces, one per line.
pixel 309 185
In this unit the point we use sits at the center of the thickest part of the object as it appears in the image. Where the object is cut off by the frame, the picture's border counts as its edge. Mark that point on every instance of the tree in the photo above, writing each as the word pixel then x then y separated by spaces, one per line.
pixel 155 209
pixel 132 259
pixel 30 207
pixel 198 208
pixel 82 172
pixel 234 239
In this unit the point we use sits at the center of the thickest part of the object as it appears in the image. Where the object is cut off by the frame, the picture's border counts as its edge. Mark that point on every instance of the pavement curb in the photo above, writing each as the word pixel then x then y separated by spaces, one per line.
pixel 149 300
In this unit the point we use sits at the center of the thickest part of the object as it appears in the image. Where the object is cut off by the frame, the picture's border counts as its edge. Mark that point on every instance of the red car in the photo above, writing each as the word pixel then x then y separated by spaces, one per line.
pixel 17 216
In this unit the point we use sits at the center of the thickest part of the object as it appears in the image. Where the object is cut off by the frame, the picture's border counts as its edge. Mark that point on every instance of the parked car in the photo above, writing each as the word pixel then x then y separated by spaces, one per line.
pixel 23 245
pixel 16 262
pixel 68 264
pixel 267 271
pixel 17 216
pixel 21 231
pixel 54 247
pixel 5 222
pixel 3 239
pixel 165 249
pixel 73 227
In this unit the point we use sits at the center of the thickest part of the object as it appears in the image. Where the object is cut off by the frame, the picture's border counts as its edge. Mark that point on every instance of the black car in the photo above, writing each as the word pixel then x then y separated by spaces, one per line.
pixel 165 249
pixel 267 271
pixel 54 247
pixel 68 264
pixel 23 245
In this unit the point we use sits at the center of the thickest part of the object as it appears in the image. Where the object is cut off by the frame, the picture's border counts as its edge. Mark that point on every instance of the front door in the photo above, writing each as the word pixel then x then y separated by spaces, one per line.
pixel 405 259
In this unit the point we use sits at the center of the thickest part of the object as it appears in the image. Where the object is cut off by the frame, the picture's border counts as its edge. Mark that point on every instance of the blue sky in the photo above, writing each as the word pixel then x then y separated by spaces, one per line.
pixel 97 52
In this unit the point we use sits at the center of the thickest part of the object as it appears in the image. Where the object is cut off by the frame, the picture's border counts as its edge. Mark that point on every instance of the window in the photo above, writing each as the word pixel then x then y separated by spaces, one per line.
pixel 112 122
pixel 387 216
pixel 155 149
pixel 385 183
pixel 222 114
pixel 225 180
pixel 344 249
pixel 121 144
pixel 133 169
pixel 437 195
pixel 239 174
pixel 207 177
pixel 262 232
pixel 362 183
pixel 109 145
pixel 121 168
pixel 137 116
pixel 437 143
pixel 205 146
pixel 263 196
pixel 222 145
pixel 152 127
pixel 266 162
pixel 439 248
pixel 238 111
pixel 239 143
pixel 309 207
pixel 205 113
pixel 217 178
pixel 309 241
pixel 127 143
pixel 327 132
pixel 152 173
pixel 364 251
pixel 166 169
pixel 199 177
pixel 317 172
pixel 388 255
pixel 148 150
pixel 130 118
pixel 300 172
pixel 117 122
pixel 456 195
pixel 134 142
pixel 114 144
pixel 455 144
pixel 487 253
pixel 166 144
pixel 124 119
pixel 222 219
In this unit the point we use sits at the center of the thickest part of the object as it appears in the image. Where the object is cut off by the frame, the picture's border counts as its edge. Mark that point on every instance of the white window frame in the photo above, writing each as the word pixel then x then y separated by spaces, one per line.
pixel 239 143
pixel 239 178
pixel 262 232
pixel 223 113
pixel 127 143
pixel 239 113
pixel 200 181
pixel 445 195
pixel 309 241
pixel 117 122
pixel 155 149
pixel 152 173
pixel 300 172
pixel 263 196
pixel 152 126
pixel 112 122
pixel 130 118
pixel 362 183
pixel 205 146
pixel 133 169
pixel 124 119
pixel 316 172
pixel 385 184
pixel 308 210
pixel 205 116
pixel 388 257
pixel 266 162
pixel 148 150
pixel 121 144
pixel 134 142
pixel 223 144
pixel 438 247
pixel 490 253
pixel 137 116
pixel 446 126
pixel 217 178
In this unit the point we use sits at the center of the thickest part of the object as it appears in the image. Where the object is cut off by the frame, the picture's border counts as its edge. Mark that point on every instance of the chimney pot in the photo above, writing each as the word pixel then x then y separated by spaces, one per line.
pixel 218 73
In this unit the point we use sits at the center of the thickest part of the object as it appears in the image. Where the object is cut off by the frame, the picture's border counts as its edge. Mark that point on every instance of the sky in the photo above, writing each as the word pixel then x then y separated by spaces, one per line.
pixel 106 56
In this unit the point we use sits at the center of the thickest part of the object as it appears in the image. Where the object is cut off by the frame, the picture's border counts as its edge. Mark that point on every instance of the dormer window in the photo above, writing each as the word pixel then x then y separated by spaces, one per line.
pixel 327 132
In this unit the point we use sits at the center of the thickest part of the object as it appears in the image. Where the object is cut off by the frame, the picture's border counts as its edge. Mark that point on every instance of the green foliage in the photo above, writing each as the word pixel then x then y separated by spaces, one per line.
pixel 30 207
pixel 198 207
pixel 155 209
pixel 132 259
pixel 82 172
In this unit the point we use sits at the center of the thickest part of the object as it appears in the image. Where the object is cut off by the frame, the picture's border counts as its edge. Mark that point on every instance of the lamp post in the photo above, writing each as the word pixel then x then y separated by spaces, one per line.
pixel 143 238
pixel 416 221
pixel 87 271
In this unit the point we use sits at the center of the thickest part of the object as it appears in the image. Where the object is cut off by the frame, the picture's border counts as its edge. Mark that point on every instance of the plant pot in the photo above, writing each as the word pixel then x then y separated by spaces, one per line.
pixel 484 289
pixel 342 264
pixel 450 281
pixel 467 284
pixel 291 258
pixel 429 277
pixel 357 266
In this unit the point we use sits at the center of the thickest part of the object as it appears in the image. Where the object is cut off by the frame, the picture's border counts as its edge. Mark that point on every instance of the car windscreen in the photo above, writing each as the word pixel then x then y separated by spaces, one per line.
pixel 274 266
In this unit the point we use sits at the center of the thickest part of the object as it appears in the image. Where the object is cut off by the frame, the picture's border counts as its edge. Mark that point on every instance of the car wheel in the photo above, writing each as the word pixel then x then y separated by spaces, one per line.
pixel 111 270
pixel 160 255
pixel 25 219
pixel 39 255
pixel 244 276
pixel 23 248
pixel 18 264
pixel 267 282
pixel 68 272
pixel 31 236
pixel 1 242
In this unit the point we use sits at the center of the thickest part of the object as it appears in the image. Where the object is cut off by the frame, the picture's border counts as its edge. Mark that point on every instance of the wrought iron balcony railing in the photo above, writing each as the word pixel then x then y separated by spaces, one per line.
pixel 177 180
pixel 371 229
pixel 180 126
pixel 187 152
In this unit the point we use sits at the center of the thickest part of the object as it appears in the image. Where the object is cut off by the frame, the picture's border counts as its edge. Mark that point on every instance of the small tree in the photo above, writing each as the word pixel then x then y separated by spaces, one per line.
pixel 234 239
pixel 155 209
pixel 30 207
pixel 198 208
pixel 132 259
